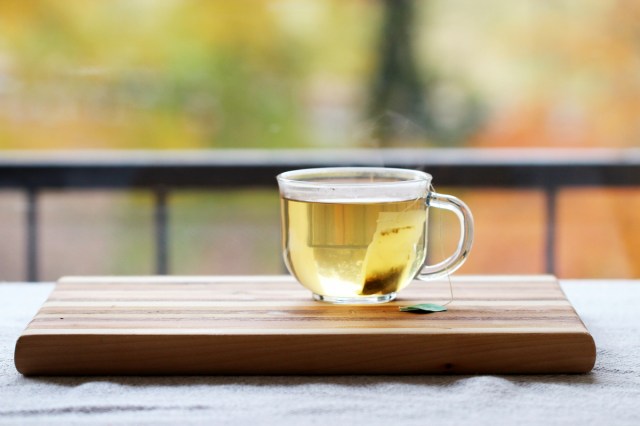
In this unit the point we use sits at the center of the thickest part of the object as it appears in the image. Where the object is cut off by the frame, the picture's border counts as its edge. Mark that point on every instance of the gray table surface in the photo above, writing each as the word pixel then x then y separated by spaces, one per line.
pixel 610 394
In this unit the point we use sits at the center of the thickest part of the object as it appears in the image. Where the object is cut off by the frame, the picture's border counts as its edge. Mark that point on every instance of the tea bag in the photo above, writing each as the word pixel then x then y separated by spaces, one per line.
pixel 392 251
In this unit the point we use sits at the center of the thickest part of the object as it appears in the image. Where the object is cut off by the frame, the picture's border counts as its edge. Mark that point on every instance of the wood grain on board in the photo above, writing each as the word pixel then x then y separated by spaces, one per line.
pixel 269 325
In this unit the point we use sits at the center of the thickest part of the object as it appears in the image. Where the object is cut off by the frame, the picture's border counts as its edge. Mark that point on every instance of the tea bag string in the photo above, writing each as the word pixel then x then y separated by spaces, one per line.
pixel 432 189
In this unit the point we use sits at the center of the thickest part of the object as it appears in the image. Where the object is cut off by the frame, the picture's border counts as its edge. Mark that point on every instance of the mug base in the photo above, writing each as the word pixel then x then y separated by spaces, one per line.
pixel 360 300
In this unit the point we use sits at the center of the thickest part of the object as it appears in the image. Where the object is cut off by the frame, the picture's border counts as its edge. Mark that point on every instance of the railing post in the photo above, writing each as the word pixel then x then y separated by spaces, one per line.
pixel 31 224
pixel 161 222
pixel 551 194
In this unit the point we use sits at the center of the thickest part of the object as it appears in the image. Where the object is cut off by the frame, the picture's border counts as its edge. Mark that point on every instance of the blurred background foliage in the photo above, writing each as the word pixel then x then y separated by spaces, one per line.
pixel 199 74
pixel 141 74
pixel 171 74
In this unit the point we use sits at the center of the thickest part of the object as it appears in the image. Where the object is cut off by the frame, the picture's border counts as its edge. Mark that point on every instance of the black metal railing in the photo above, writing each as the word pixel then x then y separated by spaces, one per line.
pixel 164 172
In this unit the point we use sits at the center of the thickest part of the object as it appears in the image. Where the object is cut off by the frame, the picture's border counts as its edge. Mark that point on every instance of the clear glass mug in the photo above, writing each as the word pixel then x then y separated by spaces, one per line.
pixel 359 234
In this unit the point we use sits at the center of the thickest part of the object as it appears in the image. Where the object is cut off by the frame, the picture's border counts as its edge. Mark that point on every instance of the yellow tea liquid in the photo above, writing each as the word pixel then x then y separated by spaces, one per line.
pixel 354 249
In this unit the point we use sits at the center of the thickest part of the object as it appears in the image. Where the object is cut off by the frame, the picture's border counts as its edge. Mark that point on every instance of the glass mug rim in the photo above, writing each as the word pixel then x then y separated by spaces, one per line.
pixel 308 176
pixel 353 184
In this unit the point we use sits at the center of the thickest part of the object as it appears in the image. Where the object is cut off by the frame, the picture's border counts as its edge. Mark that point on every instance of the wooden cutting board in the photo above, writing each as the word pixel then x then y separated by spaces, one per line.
pixel 270 325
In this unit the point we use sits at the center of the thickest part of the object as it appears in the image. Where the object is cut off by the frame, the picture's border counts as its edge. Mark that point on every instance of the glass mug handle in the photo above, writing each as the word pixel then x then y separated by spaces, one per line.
pixel 453 262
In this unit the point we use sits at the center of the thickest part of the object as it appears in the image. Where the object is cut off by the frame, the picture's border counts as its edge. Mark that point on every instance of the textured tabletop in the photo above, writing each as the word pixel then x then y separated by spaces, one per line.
pixel 609 394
